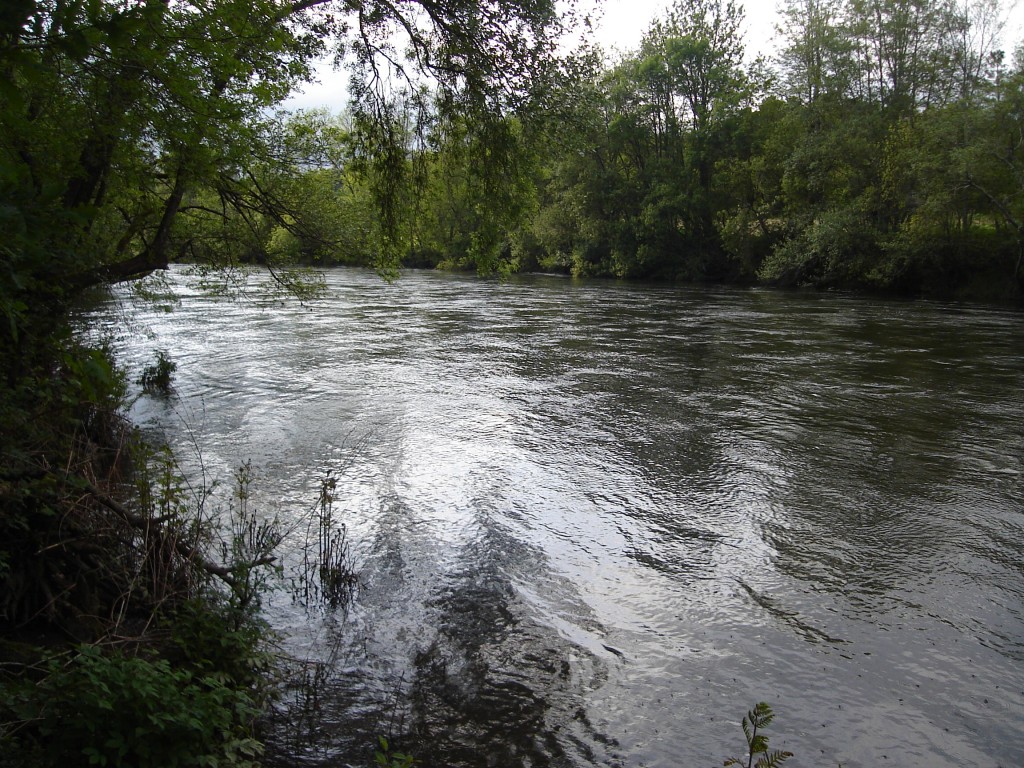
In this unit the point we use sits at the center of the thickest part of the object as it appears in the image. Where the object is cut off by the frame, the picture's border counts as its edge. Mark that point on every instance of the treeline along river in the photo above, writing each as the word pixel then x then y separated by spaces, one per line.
pixel 594 523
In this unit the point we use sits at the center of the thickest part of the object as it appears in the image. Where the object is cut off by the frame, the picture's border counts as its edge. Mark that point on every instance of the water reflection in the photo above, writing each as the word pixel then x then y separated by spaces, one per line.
pixel 594 523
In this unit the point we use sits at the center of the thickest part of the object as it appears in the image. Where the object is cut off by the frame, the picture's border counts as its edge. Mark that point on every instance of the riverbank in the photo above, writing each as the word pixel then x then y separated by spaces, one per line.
pixel 124 641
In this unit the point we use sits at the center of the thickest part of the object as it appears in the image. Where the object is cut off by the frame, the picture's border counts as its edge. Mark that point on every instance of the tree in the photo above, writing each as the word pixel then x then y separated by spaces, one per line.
pixel 702 50
pixel 994 163
pixel 113 114
pixel 305 204
pixel 974 29
pixel 753 217
pixel 589 185
pixel 902 52
pixel 816 53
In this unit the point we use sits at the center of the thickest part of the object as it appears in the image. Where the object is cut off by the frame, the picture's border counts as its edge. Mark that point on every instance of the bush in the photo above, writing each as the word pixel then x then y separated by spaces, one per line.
pixel 212 639
pixel 118 710
pixel 157 378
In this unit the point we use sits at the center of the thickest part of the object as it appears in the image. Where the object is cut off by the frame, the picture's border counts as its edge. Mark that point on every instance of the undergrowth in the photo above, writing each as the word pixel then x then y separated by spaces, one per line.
pixel 109 707
pixel 126 639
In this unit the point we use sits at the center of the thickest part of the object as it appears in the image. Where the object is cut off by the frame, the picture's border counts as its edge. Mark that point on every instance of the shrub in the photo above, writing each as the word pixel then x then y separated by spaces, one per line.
pixel 157 379
pixel 119 710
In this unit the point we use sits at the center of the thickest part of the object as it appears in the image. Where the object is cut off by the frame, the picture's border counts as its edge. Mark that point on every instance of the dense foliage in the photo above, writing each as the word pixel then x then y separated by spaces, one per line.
pixel 881 150
pixel 884 151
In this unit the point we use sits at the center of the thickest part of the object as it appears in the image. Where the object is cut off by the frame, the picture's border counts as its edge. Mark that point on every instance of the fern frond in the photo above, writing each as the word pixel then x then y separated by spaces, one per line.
pixel 761 715
pixel 774 759
pixel 758 744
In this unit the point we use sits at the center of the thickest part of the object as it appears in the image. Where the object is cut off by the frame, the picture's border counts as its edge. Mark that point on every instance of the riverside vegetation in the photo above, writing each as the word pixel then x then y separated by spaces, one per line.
pixel 125 643
pixel 882 151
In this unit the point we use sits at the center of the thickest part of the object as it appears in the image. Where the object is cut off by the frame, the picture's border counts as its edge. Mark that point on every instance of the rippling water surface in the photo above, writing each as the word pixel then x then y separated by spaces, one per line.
pixel 595 523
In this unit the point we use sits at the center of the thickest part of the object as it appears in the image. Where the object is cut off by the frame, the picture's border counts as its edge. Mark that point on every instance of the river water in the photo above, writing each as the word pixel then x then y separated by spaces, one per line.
pixel 594 523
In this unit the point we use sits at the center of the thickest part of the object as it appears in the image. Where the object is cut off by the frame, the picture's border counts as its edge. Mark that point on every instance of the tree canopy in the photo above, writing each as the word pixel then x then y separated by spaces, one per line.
pixel 119 119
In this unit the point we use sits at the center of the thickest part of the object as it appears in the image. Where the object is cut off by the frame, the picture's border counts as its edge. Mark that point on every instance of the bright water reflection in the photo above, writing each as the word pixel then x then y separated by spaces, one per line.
pixel 595 523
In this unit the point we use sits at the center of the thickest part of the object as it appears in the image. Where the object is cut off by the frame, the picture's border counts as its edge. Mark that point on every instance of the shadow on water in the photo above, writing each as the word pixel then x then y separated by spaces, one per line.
pixel 497 687
pixel 446 657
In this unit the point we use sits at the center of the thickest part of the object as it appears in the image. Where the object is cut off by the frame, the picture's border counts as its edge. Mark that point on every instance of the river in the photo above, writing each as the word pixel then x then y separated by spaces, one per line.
pixel 594 523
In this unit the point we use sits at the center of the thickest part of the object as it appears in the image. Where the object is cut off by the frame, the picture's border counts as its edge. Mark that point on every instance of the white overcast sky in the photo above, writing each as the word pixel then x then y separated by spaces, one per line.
pixel 621 25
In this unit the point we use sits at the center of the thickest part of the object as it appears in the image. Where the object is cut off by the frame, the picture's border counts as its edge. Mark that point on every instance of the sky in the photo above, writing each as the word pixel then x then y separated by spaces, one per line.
pixel 625 21
pixel 621 26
